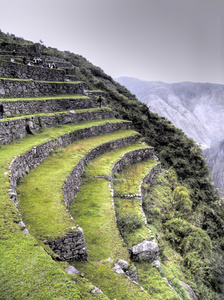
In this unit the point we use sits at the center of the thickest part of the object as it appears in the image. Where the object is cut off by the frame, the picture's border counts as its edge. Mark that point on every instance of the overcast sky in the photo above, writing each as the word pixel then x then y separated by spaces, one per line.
pixel 165 40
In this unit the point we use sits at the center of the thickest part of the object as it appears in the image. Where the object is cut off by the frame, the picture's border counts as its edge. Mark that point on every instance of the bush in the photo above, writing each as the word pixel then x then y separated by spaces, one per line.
pixel 128 223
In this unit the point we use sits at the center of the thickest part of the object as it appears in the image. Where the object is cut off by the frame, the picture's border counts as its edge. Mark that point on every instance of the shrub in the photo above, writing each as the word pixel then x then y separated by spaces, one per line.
pixel 129 222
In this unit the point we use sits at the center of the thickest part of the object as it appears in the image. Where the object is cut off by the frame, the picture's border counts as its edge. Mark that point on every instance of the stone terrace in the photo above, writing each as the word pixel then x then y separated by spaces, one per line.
pixel 21 87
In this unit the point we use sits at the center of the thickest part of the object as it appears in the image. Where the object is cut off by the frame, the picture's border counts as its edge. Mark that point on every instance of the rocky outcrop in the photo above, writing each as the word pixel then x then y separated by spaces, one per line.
pixel 215 159
pixel 189 290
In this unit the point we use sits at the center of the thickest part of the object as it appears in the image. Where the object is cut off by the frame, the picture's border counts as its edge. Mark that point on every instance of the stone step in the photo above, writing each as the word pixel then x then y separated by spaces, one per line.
pixel 18 127
pixel 62 171
pixel 15 106
pixel 13 88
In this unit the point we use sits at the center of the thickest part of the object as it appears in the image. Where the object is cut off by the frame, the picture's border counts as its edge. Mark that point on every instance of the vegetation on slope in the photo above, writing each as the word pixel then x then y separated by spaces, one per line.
pixel 175 150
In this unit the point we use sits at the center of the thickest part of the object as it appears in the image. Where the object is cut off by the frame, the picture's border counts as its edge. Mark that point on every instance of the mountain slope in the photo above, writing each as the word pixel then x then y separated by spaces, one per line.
pixel 215 159
pixel 200 219
pixel 196 108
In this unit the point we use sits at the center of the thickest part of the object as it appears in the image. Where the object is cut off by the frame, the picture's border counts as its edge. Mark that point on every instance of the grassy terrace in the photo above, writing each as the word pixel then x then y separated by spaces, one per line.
pixel 58 97
pixel 27 272
pixel 77 111
pixel 128 210
pixel 42 204
pixel 129 180
pixel 93 210
pixel 8 211
pixel 132 226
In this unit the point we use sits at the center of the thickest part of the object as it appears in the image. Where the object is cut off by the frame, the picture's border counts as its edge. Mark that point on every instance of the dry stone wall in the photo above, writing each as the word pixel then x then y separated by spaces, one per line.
pixel 19 128
pixel 71 246
pixel 15 70
pixel 49 105
pixel 132 157
pixel 29 88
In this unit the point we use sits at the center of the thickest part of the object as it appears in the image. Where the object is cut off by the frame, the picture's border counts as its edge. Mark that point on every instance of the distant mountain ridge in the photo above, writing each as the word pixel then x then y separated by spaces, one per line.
pixel 196 108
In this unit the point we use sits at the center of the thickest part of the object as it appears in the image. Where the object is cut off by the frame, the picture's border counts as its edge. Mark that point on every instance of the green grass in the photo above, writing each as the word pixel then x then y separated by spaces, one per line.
pixel 134 229
pixel 130 219
pixel 41 204
pixel 152 281
pixel 102 165
pixel 93 210
pixel 129 180
pixel 27 272
pixel 92 207
pixel 9 214
pixel 46 98
pixel 113 286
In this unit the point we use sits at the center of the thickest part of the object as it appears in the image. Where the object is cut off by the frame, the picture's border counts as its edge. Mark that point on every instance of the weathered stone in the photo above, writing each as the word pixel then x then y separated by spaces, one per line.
pixel 146 251
pixel 26 231
pixel 123 264
pixel 95 290
pixel 117 269
pixel 22 224
pixel 156 264
pixel 72 270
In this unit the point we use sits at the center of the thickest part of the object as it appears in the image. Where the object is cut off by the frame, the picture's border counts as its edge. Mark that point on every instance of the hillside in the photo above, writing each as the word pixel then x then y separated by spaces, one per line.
pixel 69 167
pixel 215 158
pixel 196 108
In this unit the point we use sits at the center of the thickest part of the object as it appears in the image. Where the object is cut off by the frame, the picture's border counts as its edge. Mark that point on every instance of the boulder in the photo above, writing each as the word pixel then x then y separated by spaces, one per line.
pixel 123 264
pixel 117 269
pixel 145 251
pixel 72 270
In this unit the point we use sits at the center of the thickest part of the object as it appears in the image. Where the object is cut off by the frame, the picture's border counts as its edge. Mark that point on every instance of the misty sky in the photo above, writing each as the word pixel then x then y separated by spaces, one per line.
pixel 165 40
